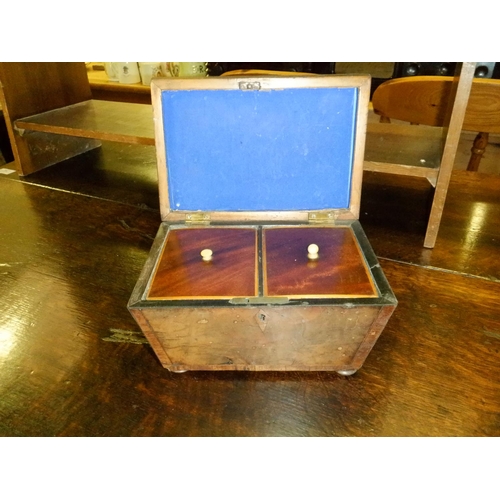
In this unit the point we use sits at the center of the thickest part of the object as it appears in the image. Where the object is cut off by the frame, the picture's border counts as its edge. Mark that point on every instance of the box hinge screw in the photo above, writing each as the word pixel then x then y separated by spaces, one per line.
pixel 321 218
pixel 197 218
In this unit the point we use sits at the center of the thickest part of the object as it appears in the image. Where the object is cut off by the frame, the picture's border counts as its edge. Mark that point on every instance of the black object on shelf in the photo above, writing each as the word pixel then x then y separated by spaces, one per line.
pixel 483 69
pixel 218 68
pixel 403 69
pixel 5 147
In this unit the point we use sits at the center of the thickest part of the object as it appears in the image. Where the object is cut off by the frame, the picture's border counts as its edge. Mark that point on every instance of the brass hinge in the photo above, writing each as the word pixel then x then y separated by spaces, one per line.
pixel 198 218
pixel 321 217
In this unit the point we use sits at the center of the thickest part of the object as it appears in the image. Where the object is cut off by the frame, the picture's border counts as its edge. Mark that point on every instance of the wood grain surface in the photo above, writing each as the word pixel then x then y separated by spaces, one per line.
pixel 105 120
pixel 74 363
pixel 107 173
pixel 340 270
pixel 403 144
pixel 30 88
pixel 35 87
pixel 260 338
pixel 232 272
pixel 394 215
pixel 460 93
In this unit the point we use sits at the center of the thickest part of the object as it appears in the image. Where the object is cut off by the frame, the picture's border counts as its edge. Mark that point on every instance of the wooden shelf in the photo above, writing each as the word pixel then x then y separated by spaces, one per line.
pixel 52 114
pixel 404 149
pixel 399 148
pixel 104 120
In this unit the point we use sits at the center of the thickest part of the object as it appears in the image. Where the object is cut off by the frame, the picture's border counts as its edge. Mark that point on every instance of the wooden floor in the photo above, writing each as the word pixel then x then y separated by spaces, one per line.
pixel 74 238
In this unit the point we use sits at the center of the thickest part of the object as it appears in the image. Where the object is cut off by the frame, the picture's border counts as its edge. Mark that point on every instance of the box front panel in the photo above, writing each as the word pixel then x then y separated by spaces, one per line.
pixel 231 272
pixel 272 150
pixel 338 271
pixel 260 338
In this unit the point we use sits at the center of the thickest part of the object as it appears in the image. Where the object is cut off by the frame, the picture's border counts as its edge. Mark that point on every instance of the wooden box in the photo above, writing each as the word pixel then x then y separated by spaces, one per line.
pixel 256 170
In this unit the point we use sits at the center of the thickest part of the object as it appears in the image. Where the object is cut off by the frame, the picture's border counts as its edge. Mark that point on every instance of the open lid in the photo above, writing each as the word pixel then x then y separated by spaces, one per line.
pixel 260 148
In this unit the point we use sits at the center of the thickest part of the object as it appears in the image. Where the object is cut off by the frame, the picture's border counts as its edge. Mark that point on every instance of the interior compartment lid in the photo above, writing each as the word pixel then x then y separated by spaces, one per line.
pixel 260 148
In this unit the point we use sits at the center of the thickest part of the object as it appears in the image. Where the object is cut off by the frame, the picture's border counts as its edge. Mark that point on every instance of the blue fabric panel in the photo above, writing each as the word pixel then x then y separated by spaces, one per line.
pixel 261 150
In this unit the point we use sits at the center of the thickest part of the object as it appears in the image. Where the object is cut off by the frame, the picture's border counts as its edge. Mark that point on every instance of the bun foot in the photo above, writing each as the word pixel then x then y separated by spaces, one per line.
pixel 346 373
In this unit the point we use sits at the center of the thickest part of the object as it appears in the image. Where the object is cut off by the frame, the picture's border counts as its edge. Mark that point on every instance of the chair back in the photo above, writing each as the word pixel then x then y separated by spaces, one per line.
pixel 424 100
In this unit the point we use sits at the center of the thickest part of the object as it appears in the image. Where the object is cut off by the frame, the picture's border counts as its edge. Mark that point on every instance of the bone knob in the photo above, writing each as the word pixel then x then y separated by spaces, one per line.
pixel 312 251
pixel 206 254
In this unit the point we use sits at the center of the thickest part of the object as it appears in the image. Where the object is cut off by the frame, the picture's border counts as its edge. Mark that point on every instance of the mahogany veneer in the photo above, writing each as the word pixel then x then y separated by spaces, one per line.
pixel 232 272
pixel 340 270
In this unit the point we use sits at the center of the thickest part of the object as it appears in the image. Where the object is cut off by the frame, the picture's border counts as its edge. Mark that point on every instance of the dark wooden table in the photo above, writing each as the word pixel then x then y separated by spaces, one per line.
pixel 74 363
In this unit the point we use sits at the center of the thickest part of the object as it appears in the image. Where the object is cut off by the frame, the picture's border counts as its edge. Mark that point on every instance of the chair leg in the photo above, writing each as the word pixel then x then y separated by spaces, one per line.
pixel 477 150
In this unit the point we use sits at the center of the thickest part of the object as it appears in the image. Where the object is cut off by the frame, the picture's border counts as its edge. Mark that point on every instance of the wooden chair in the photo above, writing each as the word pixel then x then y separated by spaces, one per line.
pixel 424 100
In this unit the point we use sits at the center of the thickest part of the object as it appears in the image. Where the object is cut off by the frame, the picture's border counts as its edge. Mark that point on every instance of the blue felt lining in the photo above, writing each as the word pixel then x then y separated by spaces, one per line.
pixel 232 150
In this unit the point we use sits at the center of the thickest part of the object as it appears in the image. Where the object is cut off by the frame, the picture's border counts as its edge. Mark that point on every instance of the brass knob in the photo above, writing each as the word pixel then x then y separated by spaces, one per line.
pixel 206 254
pixel 312 251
